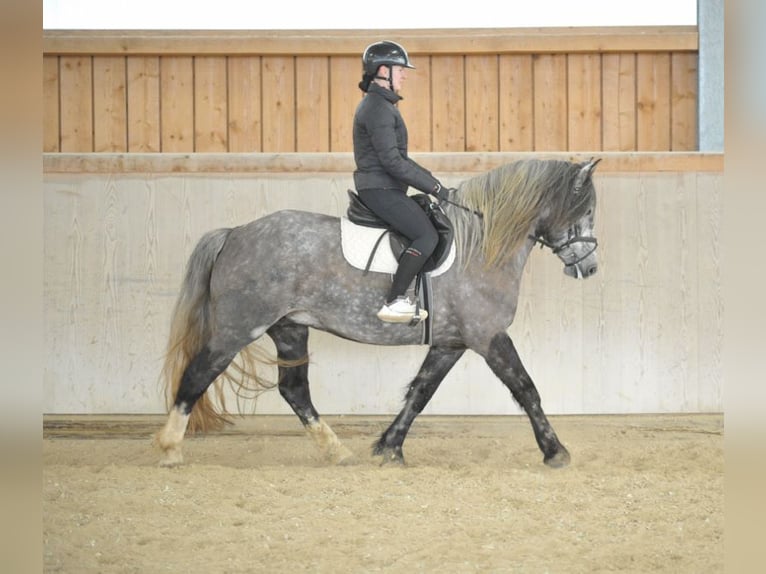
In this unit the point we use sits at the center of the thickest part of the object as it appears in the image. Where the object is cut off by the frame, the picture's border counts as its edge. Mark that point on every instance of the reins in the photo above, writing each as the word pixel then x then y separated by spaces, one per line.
pixel 478 214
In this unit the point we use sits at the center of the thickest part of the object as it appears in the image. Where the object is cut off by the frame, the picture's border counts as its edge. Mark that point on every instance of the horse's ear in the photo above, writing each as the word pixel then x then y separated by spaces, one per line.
pixel 585 172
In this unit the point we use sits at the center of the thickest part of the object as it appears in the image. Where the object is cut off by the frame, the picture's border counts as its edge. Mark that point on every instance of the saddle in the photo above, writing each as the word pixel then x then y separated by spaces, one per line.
pixel 360 214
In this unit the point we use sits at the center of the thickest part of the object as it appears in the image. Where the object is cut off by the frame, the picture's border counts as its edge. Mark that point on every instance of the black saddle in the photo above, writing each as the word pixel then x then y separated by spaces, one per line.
pixel 360 214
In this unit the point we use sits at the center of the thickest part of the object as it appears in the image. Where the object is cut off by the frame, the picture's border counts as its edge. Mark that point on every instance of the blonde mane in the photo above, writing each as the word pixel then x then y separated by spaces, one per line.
pixel 512 198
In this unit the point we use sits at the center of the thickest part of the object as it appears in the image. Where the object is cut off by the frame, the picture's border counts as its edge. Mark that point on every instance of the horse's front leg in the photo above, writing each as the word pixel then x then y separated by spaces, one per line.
pixel 504 361
pixel 435 367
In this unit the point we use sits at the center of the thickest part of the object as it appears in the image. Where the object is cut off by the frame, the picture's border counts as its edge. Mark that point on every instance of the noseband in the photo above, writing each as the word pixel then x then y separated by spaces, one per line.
pixel 573 238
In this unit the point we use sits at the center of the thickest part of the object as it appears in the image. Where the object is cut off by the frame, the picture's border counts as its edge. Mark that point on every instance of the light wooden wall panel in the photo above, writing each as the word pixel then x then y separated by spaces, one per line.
pixel 312 104
pixel 416 105
pixel 550 73
pixel 51 93
pixel 448 101
pixel 623 89
pixel 210 105
pixel 684 92
pixel 278 101
pixel 177 104
pixel 143 104
pixel 344 97
pixel 643 335
pixel 482 123
pixel 516 103
pixel 584 101
pixel 653 101
pixel 110 107
pixel 76 108
pixel 619 101
pixel 244 82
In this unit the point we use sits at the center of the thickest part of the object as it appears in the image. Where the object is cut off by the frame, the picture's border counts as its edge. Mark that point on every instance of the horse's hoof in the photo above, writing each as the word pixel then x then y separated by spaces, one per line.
pixel 173 458
pixel 391 457
pixel 342 456
pixel 558 460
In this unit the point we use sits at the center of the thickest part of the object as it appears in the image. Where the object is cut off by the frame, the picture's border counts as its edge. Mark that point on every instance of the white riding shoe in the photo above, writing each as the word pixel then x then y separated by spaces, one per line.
pixel 402 310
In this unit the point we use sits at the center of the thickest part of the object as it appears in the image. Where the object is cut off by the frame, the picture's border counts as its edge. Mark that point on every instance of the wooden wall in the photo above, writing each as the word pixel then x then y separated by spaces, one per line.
pixel 644 335
pixel 498 90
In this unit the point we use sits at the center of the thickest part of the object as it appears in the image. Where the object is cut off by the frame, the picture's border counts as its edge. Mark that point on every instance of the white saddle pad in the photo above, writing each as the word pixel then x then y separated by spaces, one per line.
pixel 357 242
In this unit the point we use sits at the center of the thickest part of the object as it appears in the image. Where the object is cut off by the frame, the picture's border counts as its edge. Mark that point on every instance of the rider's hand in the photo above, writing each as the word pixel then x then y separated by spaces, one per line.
pixel 442 193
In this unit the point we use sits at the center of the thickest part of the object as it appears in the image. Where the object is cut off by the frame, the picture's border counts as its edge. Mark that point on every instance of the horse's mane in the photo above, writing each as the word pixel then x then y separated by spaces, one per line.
pixel 512 197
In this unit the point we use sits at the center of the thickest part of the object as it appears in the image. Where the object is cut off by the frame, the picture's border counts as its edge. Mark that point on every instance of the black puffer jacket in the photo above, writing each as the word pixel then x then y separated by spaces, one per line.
pixel 380 146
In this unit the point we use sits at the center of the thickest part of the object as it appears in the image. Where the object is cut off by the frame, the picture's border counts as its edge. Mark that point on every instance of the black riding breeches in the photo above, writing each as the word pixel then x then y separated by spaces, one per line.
pixel 404 215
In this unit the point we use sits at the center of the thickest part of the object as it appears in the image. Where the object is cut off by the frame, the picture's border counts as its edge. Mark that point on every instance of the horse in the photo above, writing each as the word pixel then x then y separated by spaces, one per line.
pixel 283 274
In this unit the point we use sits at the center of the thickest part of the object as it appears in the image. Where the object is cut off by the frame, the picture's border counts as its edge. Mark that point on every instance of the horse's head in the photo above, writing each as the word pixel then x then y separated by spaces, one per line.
pixel 574 242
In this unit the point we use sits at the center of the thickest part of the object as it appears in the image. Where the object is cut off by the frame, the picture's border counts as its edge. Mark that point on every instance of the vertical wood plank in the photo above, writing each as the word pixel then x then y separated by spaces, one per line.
pixel 481 89
pixel 448 102
pixel 684 90
pixel 416 105
pixel 110 114
pixel 244 103
pixel 312 104
pixel 550 102
pixel 516 103
pixel 278 104
pixel 143 104
pixel 710 309
pixel 210 104
pixel 51 97
pixel 653 101
pixel 619 102
pixel 345 73
pixel 177 104
pixel 584 105
pixel 76 81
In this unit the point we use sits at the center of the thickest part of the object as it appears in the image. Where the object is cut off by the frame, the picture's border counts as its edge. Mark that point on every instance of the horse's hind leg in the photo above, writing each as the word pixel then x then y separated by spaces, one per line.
pixel 504 361
pixel 435 367
pixel 203 369
pixel 291 341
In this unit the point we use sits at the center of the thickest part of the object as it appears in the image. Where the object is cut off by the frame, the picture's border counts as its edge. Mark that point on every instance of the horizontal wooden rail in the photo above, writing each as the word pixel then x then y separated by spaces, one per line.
pixel 306 163
pixel 352 42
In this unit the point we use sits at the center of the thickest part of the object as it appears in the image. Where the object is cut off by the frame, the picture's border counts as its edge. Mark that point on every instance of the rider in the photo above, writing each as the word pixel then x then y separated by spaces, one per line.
pixel 384 171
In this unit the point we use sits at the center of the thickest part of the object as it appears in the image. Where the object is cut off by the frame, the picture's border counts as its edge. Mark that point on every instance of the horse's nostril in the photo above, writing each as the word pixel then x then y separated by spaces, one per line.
pixel 591 270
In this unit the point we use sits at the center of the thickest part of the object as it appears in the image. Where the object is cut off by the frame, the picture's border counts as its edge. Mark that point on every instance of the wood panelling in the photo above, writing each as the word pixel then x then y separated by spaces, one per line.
pixel 516 103
pixel 244 104
pixel 51 94
pixel 110 106
pixel 177 104
pixel 278 90
pixel 448 103
pixel 210 104
pixel 618 89
pixel 683 106
pixel 143 104
pixel 312 104
pixel 344 97
pixel 550 109
pixel 76 108
pixel 482 128
pixel 273 92
pixel 653 102
pixel 584 102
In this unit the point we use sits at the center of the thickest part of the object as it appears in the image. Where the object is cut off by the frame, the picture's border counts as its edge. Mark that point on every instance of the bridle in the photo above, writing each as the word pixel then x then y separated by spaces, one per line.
pixel 572 238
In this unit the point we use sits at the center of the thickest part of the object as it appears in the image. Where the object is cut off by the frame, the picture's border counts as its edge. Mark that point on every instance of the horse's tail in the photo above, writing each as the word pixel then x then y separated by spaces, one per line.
pixel 190 330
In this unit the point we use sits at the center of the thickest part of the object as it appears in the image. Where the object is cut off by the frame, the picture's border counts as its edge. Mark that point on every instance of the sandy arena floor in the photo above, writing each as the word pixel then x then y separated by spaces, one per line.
pixel 643 494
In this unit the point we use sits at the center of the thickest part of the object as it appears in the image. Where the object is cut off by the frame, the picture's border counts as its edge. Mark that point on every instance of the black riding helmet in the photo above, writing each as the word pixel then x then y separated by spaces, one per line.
pixel 379 54
pixel 384 53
